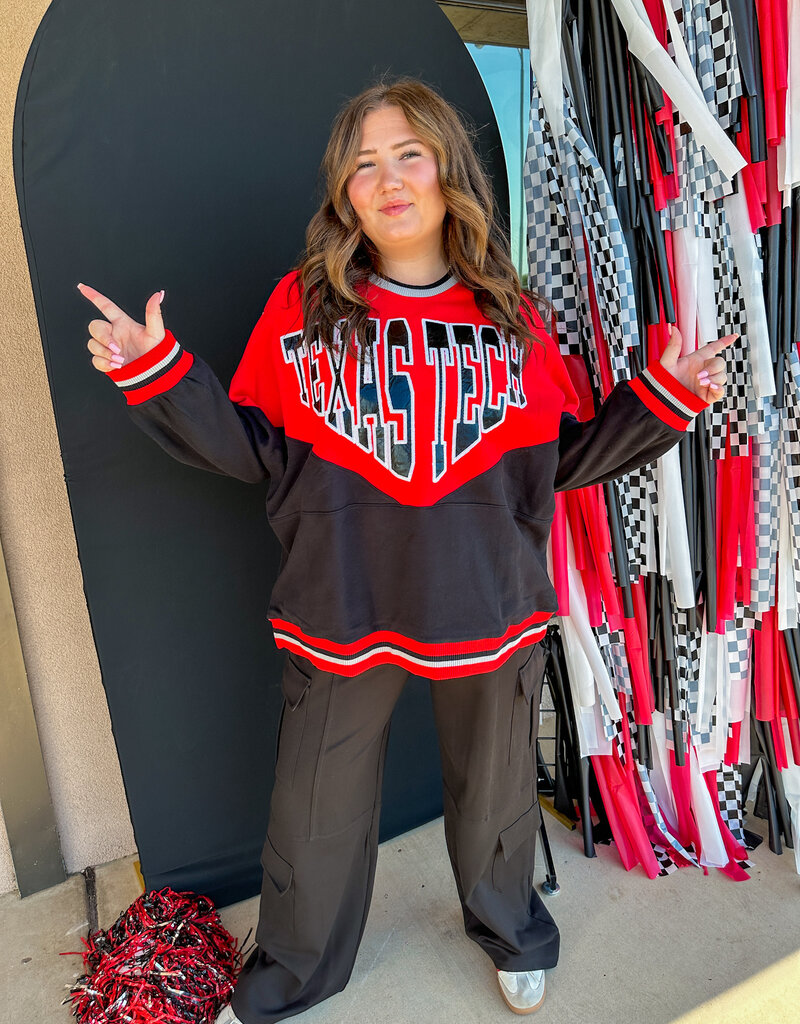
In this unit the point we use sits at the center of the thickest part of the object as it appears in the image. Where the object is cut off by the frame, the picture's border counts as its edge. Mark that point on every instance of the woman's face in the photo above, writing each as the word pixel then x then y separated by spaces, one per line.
pixel 394 188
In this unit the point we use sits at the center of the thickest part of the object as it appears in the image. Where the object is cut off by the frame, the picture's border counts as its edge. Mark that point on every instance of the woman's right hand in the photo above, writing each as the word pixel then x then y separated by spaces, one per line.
pixel 118 339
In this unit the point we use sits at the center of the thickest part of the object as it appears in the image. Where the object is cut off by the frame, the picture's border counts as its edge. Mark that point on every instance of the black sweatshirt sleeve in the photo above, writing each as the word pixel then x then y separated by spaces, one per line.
pixel 639 421
pixel 175 398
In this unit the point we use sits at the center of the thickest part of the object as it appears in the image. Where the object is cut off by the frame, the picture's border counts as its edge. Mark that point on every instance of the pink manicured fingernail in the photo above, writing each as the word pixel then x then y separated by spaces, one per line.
pixel 703 377
pixel 161 299
pixel 115 348
pixel 117 360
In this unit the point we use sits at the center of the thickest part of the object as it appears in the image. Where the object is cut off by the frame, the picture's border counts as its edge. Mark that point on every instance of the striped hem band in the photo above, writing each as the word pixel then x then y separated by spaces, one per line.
pixel 153 373
pixel 432 661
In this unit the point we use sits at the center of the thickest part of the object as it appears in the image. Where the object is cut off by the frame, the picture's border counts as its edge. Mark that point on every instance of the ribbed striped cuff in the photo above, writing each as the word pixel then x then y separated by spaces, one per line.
pixel 153 373
pixel 666 397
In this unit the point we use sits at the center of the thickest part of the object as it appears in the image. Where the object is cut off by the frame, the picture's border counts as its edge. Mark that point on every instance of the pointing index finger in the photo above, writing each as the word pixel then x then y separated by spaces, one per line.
pixel 109 309
pixel 721 343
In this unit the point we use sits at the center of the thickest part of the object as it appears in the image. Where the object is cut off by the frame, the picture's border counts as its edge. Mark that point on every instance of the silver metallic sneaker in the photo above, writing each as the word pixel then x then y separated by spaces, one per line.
pixel 227 1016
pixel 523 991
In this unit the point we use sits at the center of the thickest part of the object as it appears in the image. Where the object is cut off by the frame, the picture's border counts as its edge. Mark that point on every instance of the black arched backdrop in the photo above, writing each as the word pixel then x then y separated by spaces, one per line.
pixel 176 146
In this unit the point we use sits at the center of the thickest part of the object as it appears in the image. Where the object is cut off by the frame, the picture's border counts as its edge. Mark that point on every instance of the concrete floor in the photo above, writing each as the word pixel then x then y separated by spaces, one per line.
pixel 684 949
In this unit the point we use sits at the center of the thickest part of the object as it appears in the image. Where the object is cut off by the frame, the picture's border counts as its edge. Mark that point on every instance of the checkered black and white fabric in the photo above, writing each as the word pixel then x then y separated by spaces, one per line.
pixel 568 200
pixel 619 659
pixel 687 658
pixel 692 17
pixel 670 733
pixel 637 500
pixel 610 727
pixel 634 522
pixel 730 414
pixel 700 179
pixel 766 475
pixel 609 263
pixel 738 638
pixel 712 721
pixel 619 735
pixel 713 716
pixel 687 666
pixel 729 788
pixel 652 803
pixel 666 863
pixel 707 735
pixel 633 731
pixel 619 162
pixel 727 79
pixel 552 261
pixel 579 243
pixel 547 219
pixel 756 415
pixel 633 530
pixel 611 644
pixel 603 637
pixel 758 408
pixel 790 452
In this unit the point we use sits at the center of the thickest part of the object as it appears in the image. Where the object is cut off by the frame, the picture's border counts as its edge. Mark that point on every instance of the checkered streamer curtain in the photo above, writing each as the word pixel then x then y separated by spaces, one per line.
pixel 662 185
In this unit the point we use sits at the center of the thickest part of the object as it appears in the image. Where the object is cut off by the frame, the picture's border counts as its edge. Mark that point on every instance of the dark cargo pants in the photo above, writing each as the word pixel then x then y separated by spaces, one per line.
pixel 322 841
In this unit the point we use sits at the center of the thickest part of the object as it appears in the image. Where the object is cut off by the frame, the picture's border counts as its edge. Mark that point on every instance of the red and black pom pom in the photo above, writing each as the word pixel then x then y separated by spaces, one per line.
pixel 167 958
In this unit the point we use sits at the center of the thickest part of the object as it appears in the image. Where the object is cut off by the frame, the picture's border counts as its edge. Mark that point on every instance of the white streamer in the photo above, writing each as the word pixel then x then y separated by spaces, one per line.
pixel 544 40
pixel 676 562
pixel 679 82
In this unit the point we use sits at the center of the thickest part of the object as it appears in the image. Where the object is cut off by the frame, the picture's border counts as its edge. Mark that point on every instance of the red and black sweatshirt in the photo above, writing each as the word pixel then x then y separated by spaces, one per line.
pixel 412 491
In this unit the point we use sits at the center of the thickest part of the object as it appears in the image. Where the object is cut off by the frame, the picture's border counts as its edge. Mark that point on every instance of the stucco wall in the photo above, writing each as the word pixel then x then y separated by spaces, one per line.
pixel 39 543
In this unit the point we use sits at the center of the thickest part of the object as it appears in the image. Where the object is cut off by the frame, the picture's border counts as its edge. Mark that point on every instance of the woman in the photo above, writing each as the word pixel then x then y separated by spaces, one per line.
pixel 413 418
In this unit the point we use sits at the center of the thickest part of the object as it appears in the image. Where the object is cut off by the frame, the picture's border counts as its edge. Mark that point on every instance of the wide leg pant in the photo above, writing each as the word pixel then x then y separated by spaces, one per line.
pixel 322 841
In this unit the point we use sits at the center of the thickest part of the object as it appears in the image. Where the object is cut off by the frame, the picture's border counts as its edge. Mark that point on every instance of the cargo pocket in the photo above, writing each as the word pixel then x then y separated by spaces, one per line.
pixel 513 842
pixel 525 714
pixel 294 684
pixel 279 871
pixel 277 891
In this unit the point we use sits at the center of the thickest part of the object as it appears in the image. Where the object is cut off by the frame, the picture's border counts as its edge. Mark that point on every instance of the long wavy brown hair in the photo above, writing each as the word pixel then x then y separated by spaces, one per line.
pixel 339 259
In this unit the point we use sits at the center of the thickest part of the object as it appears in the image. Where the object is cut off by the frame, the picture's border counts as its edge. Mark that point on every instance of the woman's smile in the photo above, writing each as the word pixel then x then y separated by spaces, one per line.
pixel 394 190
pixel 395 208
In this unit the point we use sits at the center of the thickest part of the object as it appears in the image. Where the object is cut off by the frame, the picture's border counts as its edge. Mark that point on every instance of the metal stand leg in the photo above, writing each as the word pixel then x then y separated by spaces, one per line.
pixel 550 886
pixel 586 817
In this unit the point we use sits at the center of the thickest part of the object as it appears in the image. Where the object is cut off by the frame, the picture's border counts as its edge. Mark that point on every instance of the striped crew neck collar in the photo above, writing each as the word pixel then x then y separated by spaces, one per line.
pixel 419 291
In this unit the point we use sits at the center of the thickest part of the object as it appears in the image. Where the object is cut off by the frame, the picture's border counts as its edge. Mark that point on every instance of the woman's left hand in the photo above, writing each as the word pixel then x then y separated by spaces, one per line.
pixel 703 371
